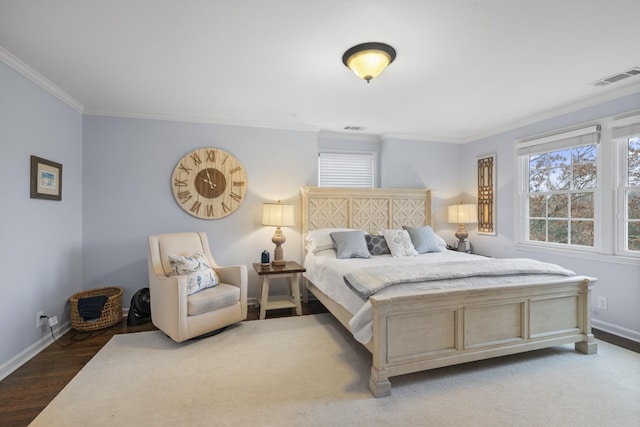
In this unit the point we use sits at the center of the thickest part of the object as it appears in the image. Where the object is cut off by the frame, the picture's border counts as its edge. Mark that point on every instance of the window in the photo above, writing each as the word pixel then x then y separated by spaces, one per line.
pixel 342 169
pixel 626 134
pixel 559 189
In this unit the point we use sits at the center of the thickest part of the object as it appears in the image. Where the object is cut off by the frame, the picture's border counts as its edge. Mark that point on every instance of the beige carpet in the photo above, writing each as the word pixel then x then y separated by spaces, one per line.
pixel 308 371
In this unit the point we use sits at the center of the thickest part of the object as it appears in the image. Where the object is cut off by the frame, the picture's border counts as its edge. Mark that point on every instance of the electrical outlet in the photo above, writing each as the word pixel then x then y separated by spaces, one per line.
pixel 602 303
pixel 39 321
pixel 53 321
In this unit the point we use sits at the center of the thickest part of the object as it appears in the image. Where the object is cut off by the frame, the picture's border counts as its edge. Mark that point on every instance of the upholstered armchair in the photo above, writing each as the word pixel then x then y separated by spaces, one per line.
pixel 182 316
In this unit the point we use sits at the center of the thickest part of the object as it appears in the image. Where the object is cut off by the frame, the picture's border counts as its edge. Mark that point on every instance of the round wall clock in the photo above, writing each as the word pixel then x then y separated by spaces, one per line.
pixel 209 183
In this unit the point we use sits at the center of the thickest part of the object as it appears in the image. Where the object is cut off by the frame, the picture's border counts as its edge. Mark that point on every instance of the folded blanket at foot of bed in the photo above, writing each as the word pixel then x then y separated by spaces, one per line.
pixel 367 281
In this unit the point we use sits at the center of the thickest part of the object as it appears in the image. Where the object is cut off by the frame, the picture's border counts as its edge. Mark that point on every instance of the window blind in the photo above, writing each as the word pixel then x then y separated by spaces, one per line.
pixel 577 138
pixel 625 127
pixel 346 169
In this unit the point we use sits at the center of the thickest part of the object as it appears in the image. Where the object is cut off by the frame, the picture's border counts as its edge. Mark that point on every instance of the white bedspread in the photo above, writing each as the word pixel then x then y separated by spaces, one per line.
pixel 327 273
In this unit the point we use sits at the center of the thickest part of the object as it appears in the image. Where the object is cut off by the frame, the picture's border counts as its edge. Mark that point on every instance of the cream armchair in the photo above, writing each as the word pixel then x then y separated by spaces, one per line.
pixel 183 316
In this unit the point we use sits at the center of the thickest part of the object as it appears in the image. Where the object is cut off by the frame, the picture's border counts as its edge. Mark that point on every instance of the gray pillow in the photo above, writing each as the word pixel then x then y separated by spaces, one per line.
pixel 350 244
pixel 377 245
pixel 424 239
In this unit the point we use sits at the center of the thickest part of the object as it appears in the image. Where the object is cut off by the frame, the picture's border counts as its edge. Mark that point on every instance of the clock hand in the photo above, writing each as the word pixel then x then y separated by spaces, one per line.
pixel 211 184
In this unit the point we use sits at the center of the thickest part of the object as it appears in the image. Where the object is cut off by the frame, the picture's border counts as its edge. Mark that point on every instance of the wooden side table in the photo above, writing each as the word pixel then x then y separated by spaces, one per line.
pixel 292 271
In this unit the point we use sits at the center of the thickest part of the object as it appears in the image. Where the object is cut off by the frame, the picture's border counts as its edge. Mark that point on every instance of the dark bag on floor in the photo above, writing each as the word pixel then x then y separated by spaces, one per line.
pixel 140 309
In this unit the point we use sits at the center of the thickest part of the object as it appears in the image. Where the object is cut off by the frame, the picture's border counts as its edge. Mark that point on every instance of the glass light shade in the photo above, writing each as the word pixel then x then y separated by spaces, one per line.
pixel 368 64
pixel 368 60
pixel 462 214
pixel 278 215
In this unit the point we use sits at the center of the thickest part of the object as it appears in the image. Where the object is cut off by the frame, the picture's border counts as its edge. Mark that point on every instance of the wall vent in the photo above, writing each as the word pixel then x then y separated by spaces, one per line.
pixel 617 77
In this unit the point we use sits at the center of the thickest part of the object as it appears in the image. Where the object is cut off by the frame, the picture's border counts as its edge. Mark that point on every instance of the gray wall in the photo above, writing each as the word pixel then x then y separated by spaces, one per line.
pixel 619 282
pixel 127 194
pixel 40 240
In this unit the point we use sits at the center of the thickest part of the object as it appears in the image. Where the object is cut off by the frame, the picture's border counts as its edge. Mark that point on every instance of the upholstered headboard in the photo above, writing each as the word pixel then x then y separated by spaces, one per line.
pixel 367 209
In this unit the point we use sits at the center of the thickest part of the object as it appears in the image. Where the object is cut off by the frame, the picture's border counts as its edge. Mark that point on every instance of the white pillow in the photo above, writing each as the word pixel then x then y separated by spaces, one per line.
pixel 196 267
pixel 320 239
pixel 399 243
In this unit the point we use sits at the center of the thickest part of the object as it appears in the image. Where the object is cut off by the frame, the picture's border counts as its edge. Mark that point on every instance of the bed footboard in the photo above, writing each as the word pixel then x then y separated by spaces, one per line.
pixel 417 333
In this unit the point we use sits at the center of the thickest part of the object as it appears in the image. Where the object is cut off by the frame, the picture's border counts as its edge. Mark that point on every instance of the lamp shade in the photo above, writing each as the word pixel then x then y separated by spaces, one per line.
pixel 462 214
pixel 368 60
pixel 278 215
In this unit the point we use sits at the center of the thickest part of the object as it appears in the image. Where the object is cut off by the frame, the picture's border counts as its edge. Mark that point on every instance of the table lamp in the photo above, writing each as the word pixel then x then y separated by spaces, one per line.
pixel 462 214
pixel 278 215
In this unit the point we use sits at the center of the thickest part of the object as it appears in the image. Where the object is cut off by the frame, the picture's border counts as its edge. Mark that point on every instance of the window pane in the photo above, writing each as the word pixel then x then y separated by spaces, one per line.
pixel 537 206
pixel 559 178
pixel 633 209
pixel 558 206
pixel 634 162
pixel 559 158
pixel 582 233
pixel 558 231
pixel 586 154
pixel 582 205
pixel 585 176
pixel 538 230
pixel 538 172
pixel 633 242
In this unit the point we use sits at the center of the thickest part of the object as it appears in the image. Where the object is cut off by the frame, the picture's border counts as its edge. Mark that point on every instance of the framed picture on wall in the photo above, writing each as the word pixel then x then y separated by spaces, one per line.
pixel 46 179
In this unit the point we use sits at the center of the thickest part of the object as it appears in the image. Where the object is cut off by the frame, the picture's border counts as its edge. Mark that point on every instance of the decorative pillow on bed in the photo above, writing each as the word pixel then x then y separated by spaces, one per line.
pixel 399 243
pixel 377 245
pixel 350 244
pixel 196 267
pixel 424 239
pixel 320 240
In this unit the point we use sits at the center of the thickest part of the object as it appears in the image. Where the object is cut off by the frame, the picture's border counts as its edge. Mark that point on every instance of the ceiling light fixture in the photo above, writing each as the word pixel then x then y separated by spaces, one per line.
pixel 368 60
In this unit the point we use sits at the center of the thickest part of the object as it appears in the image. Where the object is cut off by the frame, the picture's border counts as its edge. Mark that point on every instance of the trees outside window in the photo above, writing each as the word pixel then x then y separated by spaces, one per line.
pixel 632 194
pixel 561 195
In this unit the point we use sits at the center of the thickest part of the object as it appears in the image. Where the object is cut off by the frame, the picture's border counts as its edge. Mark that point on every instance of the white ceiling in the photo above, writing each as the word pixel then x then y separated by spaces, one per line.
pixel 464 69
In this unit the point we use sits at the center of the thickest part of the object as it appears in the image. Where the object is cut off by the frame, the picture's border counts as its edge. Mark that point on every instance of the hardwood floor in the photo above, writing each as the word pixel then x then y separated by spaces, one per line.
pixel 27 391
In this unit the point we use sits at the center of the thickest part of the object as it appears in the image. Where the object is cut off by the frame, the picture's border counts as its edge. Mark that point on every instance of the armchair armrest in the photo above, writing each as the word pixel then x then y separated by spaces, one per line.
pixel 236 275
pixel 168 302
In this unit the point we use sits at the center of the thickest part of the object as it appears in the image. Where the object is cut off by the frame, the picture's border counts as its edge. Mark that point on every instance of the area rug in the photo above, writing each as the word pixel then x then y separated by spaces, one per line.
pixel 308 371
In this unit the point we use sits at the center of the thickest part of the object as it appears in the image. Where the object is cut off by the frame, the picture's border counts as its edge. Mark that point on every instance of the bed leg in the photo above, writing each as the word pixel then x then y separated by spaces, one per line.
pixel 379 385
pixel 589 346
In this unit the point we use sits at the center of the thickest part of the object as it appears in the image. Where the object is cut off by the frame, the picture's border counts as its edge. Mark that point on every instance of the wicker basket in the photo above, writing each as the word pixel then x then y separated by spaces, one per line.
pixel 111 312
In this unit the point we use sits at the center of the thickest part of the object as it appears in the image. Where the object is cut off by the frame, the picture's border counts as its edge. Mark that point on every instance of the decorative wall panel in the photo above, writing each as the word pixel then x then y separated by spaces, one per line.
pixel 486 195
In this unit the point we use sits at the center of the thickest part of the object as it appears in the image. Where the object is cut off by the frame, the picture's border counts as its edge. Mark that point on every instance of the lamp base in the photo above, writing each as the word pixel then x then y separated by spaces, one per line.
pixel 278 254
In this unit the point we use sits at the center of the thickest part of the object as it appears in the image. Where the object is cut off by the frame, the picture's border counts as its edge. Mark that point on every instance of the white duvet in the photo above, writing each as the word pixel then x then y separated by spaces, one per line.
pixel 327 273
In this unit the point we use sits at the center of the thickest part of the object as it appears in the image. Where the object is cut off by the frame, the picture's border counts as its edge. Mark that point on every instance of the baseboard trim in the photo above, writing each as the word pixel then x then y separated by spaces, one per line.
pixel 616 330
pixel 27 354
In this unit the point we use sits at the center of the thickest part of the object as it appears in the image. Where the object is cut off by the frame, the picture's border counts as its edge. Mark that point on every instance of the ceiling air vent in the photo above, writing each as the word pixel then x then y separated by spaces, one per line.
pixel 356 128
pixel 617 77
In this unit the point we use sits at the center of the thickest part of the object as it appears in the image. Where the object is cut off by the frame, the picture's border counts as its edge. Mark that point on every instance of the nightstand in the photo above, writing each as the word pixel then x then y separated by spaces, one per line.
pixel 292 271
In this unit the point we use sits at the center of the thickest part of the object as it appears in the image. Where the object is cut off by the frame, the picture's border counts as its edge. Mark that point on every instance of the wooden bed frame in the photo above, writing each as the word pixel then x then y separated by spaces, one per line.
pixel 416 333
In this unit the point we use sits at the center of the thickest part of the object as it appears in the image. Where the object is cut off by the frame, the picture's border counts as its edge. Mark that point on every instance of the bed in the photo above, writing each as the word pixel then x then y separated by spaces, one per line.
pixel 414 330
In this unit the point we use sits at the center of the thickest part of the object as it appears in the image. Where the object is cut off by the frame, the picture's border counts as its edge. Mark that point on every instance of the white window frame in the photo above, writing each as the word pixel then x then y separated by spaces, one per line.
pixel 622 131
pixel 568 139
pixel 345 157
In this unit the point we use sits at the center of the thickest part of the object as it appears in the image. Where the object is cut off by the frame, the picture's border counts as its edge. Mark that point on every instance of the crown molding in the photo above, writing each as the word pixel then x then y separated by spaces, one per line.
pixel 26 71
pixel 202 120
